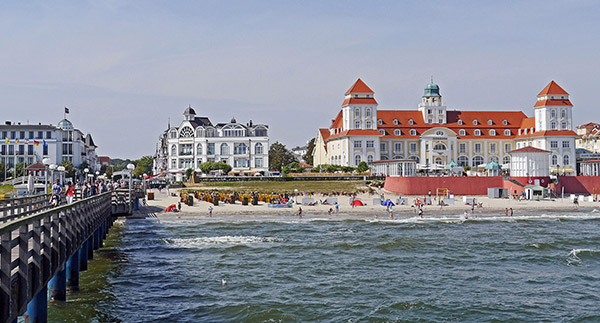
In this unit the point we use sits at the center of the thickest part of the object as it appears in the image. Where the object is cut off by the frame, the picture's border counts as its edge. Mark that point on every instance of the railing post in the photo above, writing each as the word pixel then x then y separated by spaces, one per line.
pixel 37 309
pixel 5 269
pixel 73 272
pixel 57 286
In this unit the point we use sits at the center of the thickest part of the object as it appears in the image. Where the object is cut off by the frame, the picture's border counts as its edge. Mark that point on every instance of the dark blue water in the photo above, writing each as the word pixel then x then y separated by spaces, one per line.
pixel 530 268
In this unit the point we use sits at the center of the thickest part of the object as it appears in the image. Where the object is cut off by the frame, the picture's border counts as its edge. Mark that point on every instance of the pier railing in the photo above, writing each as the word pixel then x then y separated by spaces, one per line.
pixel 35 246
pixel 12 209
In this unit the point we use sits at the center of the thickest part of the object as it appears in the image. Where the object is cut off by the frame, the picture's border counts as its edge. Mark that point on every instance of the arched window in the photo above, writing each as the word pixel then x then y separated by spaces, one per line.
pixel 492 132
pixel 507 132
pixel 413 132
pixel 506 160
pixel 260 132
pixel 357 112
pixel 398 157
pixel 258 148
pixel 384 157
pixel 477 132
pixel 370 158
pixel 554 159
pixel 357 124
pixel 210 132
pixel 382 131
pixel 174 150
pixel 553 113
pixel 368 112
pixel 566 160
pixel 199 132
pixel 553 125
pixel 357 159
pixel 462 132
pixel 173 134
pixel 505 122
pixel 224 149
pixel 490 122
pixel 563 125
pixel 368 124
pixel 415 158
pixel 380 122
pixel 411 122
pixel 463 161
pixel 199 149
pixel 438 161
pixel 186 132
pixel 397 132
pixel 396 121
pixel 439 147
pixel 460 122
pixel 475 122
pixel 239 149
pixel 563 113
pixel 439 133
pixel 477 160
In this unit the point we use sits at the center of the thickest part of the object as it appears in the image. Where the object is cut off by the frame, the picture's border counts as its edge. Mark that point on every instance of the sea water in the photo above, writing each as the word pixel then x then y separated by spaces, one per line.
pixel 531 267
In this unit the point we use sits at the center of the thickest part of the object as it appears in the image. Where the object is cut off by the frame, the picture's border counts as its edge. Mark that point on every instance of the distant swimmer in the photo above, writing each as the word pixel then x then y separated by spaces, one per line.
pixel 506 212
pixel 300 212
pixel 511 211
pixel 421 213
pixel 466 215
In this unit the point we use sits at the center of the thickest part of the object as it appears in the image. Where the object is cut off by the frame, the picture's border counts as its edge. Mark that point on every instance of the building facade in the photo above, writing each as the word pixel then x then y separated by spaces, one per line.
pixel 196 140
pixel 433 136
pixel 27 143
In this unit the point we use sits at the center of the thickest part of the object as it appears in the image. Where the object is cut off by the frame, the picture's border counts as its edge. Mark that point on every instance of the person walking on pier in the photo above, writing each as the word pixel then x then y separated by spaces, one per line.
pixel 70 189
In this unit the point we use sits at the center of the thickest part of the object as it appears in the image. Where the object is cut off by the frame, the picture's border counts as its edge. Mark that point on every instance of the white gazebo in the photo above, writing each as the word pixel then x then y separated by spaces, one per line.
pixel 590 167
pixel 529 162
pixel 394 167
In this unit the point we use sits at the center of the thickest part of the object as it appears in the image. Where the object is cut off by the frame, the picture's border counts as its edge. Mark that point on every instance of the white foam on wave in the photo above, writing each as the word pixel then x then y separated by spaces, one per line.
pixel 574 258
pixel 204 242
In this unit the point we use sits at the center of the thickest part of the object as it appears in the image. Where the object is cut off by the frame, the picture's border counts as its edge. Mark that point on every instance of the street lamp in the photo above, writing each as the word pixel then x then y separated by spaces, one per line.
pixel 61 171
pixel 86 171
pixel 52 169
pixel 130 167
pixel 46 162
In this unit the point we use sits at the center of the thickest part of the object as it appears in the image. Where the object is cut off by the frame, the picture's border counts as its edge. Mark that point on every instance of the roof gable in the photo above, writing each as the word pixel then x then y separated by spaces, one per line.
pixel 553 89
pixel 359 87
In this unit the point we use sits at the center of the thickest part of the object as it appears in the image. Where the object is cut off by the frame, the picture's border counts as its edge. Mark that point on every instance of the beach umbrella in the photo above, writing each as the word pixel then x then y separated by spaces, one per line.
pixel 30 187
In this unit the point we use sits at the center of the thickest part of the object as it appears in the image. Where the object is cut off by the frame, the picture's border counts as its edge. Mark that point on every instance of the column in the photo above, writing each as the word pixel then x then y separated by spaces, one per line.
pixel 37 309
pixel 57 286
pixel 73 272
pixel 83 256
pixel 90 247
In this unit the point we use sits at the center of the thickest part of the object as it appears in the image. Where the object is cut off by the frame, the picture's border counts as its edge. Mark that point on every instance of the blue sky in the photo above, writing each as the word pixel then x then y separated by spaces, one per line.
pixel 125 67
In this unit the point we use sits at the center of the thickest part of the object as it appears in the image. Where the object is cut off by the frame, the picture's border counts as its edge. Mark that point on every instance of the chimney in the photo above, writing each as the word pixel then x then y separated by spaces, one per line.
pixel 7 122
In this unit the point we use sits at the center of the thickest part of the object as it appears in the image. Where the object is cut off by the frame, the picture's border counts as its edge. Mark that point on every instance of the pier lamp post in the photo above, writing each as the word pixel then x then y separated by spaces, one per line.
pixel 52 169
pixel 130 167
pixel 86 171
pixel 61 171
pixel 144 177
pixel 46 162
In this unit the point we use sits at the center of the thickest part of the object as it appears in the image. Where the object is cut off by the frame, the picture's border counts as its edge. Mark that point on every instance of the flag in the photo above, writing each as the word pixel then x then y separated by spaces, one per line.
pixel 27 142
pixel 66 110
pixel 17 141
pixel 7 140
pixel 45 144
pixel 36 143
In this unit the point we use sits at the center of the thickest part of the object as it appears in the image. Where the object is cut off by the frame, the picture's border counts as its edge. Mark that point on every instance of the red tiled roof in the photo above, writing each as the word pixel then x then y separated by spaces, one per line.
pixel 559 102
pixel 324 134
pixel 359 87
pixel 553 89
pixel 359 101
pixel 305 165
pixel 356 132
pixel 528 149
pixel 549 133
pixel 528 123
pixel 337 122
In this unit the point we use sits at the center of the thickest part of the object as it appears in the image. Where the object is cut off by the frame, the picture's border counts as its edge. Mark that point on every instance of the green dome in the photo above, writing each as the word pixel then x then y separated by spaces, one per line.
pixel 492 165
pixel 432 89
pixel 65 124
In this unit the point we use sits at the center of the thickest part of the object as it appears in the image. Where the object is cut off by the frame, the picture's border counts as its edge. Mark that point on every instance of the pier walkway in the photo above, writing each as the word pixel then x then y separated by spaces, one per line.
pixel 43 248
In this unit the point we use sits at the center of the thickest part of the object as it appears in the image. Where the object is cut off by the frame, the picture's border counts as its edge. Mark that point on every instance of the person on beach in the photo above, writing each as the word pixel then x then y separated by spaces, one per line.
pixel 511 211
pixel 466 215
pixel 210 209
pixel 337 208
pixel 506 212
pixel 179 206
pixel 300 212
pixel 576 202
pixel 421 212
pixel 330 211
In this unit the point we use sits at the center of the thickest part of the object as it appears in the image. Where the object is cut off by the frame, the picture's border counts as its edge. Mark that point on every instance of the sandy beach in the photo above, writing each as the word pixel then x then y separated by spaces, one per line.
pixel 489 206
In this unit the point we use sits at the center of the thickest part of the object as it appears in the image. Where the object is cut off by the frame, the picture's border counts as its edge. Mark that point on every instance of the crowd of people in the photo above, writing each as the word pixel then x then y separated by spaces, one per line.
pixel 80 190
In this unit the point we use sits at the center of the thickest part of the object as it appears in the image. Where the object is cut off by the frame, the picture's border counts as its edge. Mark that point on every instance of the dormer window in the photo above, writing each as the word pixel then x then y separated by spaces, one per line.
pixel 396 121
pixel 490 122
pixel 475 122
pixel 368 95
pixel 525 131
pixel 411 122
pixel 356 95
pixel 380 122
pixel 492 132
pixel 439 133
pixel 462 132
pixel 552 97
pixel 531 130
pixel 397 132
pixel 477 132
pixel 413 132
pixel 507 132
pixel 382 131
pixel 505 122
pixel 460 122
pixel 519 132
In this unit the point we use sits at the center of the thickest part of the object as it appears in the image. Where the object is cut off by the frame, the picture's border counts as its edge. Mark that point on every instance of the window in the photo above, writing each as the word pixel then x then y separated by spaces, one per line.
pixel 370 158
pixel 463 161
pixel 357 112
pixel 40 135
pixel 505 122
pixel 357 124
pixel 29 149
pixel 173 150
pixel 428 111
pixel 22 149
pixel 413 132
pixel 368 124
pixel 563 125
pixel 477 132
pixel 382 146
pixel 553 113
pixel 384 157
pixel 438 161
pixel 553 125
pixel 490 122
pixel 397 132
pixel 565 144
pixel 460 122
pixel 48 135
pixel 554 159
pixel 492 148
pixel 358 144
pixel 415 158
pixel 563 113
pixel 477 160
pixel 210 150
pixel 258 149
pixel 492 132
pixel 258 162
pixel 477 148
pixel 370 143
pixel 4 134
pixel 30 135
pixel 185 150
pixel 260 132
pixel 396 121
pixel 22 135
pixel 357 160
pixel 11 149
pixel 368 112
pixel 475 122
pixel 439 133
pixel 507 132
pixel 397 147
pixel 3 152
pixel 382 131
pixel 210 132
pixel 186 132
pixel 462 132
pixel 379 122
pixel 411 122
pixel 240 149
pixel 439 147
pixel 507 147
pixel 462 148
pixel 45 150
pixel 566 160
pixel 429 121
pixel 240 162
pixel 553 144
pixel 173 163
pixel 413 147
pixel 224 149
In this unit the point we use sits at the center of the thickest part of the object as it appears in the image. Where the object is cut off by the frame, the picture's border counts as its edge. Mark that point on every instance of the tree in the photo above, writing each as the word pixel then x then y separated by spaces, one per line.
pixel 188 173
pixel 211 165
pixel 143 165
pixel 69 169
pixel 308 157
pixel 2 166
pixel 280 156
pixel 20 169
pixel 362 167
pixel 293 168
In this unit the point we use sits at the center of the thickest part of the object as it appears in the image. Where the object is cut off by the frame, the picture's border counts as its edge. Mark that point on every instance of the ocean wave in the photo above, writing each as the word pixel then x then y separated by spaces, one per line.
pixel 576 255
pixel 203 242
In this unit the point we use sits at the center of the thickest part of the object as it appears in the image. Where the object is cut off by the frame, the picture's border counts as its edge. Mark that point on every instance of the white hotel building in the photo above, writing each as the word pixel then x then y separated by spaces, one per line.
pixel 197 140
